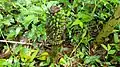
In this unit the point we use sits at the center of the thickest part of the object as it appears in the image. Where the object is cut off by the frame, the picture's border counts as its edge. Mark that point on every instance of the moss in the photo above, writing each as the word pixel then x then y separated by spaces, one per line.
pixel 108 27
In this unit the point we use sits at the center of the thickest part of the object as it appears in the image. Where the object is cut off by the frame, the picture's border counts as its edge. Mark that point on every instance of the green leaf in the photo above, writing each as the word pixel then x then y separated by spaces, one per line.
pixel 34 53
pixel 24 54
pixel 117 58
pixel 1 17
pixel 108 46
pixel 11 35
pixel 3 62
pixel 45 63
pixel 43 56
pixel 32 32
pixel 6 22
pixel 16 62
pixel 68 13
pixel 111 51
pixel 78 22
pixel 32 64
pixel 62 61
pixel 85 17
pixel 91 59
pixel 52 65
pixel 81 54
pixel 83 35
pixel 18 30
pixel 104 46
pixel 116 39
pixel 17 49
pixel 28 20
pixel 50 3
pixel 27 55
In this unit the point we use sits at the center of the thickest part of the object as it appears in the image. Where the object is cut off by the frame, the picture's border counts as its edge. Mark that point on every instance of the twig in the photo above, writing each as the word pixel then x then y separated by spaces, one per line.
pixel 15 42
pixel 6 44
pixel 83 35
pixel 75 48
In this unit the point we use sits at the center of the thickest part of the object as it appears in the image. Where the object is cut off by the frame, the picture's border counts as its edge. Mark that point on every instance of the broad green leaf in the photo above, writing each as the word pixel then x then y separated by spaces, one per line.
pixel 6 22
pixel 25 54
pixel 37 9
pixel 10 60
pixel 111 51
pixel 91 59
pixel 17 49
pixel 11 35
pixel 114 1
pixel 85 17
pixel 16 62
pixel 104 46
pixel 28 20
pixel 3 62
pixel 81 54
pixel 35 20
pixel 62 61
pixel 43 56
pixel 32 64
pixel 34 53
pixel 78 22
pixel 93 66
pixel 52 65
pixel 117 58
pixel 45 63
pixel 68 13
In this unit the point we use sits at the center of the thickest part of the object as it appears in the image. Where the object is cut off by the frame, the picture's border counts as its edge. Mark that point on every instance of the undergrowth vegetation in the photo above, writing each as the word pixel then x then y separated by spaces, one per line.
pixel 59 33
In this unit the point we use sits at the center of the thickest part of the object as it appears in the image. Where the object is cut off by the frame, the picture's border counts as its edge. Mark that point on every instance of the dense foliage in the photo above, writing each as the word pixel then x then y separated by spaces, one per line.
pixel 59 33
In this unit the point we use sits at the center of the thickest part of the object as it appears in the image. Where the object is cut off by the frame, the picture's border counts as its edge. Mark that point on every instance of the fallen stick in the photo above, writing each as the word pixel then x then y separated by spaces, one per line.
pixel 15 42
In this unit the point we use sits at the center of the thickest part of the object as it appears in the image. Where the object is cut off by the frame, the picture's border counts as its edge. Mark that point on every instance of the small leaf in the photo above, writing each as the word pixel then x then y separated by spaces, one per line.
pixel 3 62
pixel 28 20
pixel 68 13
pixel 17 30
pixel 43 56
pixel 1 17
pixel 85 17
pixel 34 53
pixel 52 65
pixel 111 51
pixel 117 58
pixel 32 64
pixel 108 46
pixel 83 35
pixel 81 54
pixel 62 61
pixel 91 59
pixel 104 46
pixel 17 49
pixel 78 22
pixel 11 35
pixel 24 54
pixel 116 39
pixel 6 22
pixel 45 63
pixel 50 3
